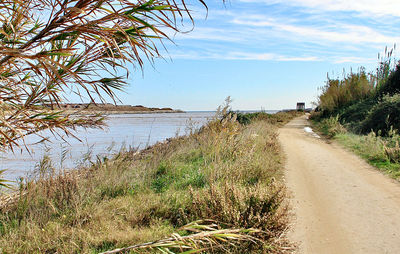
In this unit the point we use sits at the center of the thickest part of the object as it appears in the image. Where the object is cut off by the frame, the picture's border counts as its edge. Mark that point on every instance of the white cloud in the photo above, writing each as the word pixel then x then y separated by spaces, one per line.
pixel 353 59
pixel 299 59
pixel 268 57
pixel 273 33
pixel 254 56
pixel 240 55
pixel 341 33
pixel 209 34
pixel 367 7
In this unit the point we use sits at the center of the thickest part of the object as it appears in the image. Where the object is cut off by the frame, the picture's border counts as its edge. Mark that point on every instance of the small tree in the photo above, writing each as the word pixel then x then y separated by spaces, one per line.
pixel 50 48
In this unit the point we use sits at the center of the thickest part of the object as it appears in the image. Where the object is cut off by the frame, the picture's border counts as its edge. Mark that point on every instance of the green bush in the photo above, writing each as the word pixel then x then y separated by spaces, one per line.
pixel 337 94
pixel 246 118
pixel 392 84
pixel 352 115
pixel 279 118
pixel 383 116
pixel 364 101
pixel 331 126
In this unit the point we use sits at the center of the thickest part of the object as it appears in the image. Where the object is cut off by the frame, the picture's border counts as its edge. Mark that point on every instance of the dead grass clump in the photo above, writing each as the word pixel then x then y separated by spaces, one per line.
pixel 258 207
pixel 331 126
pixel 44 198
pixel 261 207
pixel 393 153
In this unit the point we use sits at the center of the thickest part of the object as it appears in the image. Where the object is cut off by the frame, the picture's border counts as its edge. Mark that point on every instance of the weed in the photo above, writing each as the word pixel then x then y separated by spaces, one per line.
pixel 331 127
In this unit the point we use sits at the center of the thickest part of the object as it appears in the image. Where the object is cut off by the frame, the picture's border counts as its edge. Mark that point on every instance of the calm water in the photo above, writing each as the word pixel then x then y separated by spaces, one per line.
pixel 126 130
pixel 134 130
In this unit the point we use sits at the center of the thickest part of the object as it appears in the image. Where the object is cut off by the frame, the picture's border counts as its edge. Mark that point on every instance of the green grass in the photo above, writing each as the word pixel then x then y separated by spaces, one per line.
pixel 228 172
pixel 329 127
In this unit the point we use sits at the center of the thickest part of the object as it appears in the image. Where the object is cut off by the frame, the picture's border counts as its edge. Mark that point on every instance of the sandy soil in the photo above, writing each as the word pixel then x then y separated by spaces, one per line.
pixel 340 203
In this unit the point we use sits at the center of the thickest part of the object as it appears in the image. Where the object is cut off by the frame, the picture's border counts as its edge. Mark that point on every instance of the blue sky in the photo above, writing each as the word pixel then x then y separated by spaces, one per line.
pixel 264 53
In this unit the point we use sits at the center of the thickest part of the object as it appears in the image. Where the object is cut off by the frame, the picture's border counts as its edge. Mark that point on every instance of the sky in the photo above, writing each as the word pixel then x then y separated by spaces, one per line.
pixel 264 54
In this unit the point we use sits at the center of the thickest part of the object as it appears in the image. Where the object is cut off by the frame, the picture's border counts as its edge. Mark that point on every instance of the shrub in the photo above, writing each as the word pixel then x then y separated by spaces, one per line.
pixel 363 101
pixel 352 115
pixel 392 84
pixel 383 116
pixel 337 94
pixel 331 126
pixel 279 118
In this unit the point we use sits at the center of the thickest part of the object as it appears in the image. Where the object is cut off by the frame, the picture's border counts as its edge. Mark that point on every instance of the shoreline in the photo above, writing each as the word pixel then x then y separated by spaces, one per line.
pixel 119 112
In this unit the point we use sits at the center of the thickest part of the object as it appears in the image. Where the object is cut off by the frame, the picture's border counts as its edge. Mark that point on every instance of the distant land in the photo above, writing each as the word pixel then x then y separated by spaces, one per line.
pixel 109 108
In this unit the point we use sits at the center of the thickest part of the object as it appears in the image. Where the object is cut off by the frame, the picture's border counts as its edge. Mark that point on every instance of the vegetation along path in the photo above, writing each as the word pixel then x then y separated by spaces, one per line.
pixel 341 204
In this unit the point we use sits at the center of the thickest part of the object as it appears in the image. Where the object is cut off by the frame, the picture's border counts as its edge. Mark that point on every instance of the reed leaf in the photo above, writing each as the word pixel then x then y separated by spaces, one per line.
pixel 207 236
pixel 4 183
pixel 51 48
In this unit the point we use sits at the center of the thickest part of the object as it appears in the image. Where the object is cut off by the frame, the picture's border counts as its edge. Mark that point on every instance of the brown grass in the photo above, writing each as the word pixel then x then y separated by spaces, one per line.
pixel 228 172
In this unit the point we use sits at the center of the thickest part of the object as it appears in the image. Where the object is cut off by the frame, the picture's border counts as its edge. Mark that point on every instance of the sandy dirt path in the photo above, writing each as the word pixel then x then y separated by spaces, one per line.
pixel 340 203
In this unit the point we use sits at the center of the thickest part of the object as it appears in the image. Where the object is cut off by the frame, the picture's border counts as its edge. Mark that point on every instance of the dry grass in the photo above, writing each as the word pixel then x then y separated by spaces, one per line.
pixel 227 172
pixel 330 127
pixel 206 236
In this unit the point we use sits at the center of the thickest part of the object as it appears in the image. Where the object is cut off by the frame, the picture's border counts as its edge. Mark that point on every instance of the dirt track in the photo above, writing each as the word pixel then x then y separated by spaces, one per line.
pixel 340 203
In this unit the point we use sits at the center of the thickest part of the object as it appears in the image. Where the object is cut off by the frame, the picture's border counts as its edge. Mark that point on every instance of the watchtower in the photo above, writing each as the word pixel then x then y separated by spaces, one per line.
pixel 301 106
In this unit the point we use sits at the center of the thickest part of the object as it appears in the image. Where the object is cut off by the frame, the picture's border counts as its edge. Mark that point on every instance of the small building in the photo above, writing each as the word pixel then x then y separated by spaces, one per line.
pixel 301 106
